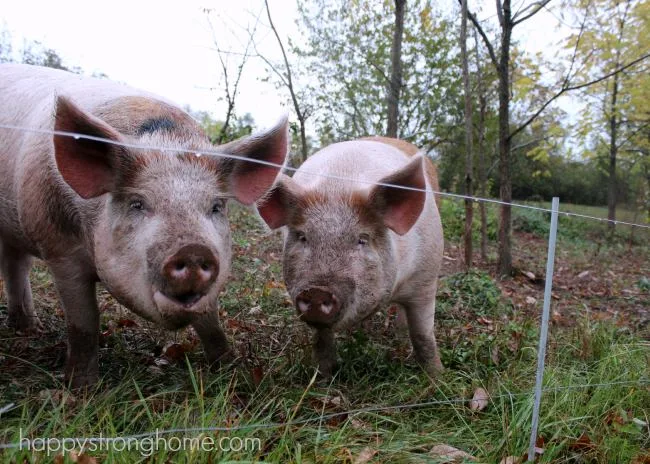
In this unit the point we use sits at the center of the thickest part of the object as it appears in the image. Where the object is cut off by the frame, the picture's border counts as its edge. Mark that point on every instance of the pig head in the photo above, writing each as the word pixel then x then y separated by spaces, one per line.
pixel 353 246
pixel 150 224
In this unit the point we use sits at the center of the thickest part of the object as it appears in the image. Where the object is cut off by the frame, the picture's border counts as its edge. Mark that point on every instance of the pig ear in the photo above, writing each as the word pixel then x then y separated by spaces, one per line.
pixel 248 181
pixel 86 165
pixel 400 208
pixel 280 202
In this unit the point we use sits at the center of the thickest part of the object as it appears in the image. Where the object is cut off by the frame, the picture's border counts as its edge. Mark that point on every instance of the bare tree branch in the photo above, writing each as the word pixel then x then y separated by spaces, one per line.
pixel 289 84
pixel 230 92
pixel 480 30
pixel 537 7
pixel 500 14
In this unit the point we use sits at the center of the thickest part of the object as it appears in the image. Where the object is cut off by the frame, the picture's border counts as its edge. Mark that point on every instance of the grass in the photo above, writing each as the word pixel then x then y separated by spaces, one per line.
pixel 380 407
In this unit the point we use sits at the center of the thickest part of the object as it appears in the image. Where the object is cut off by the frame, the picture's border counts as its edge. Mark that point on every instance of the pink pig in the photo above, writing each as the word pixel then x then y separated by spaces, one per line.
pixel 351 247
pixel 150 225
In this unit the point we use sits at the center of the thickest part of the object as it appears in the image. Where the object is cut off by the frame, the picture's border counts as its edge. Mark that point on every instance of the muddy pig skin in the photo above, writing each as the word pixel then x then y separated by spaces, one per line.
pixel 351 248
pixel 150 224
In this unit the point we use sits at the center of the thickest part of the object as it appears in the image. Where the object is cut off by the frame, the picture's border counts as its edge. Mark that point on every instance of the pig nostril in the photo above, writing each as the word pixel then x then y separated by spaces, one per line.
pixel 180 265
pixel 303 306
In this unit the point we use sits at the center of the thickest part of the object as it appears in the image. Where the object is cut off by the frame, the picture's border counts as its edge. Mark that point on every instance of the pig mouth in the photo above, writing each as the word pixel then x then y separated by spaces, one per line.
pixel 183 302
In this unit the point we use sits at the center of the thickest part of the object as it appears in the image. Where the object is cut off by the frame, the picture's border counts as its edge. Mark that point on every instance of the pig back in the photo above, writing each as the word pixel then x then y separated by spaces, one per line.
pixel 419 251
pixel 411 150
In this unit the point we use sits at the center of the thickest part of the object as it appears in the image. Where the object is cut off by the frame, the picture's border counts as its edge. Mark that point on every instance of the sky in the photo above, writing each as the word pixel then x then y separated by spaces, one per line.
pixel 167 47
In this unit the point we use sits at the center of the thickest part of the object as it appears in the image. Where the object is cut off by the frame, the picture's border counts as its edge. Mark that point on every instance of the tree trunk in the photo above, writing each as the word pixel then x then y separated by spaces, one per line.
pixel 482 174
pixel 303 139
pixel 469 207
pixel 613 149
pixel 505 182
pixel 396 73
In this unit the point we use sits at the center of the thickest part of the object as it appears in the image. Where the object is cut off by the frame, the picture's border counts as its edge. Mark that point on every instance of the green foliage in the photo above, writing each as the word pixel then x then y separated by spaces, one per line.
pixel 531 221
pixel 269 394
pixel 237 127
pixel 474 290
pixel 32 52
pixel 644 284
pixel 452 215
pixel 348 57
pixel 615 124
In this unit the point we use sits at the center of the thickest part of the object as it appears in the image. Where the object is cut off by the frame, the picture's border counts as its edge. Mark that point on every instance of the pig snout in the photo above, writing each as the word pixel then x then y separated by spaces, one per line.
pixel 317 306
pixel 188 274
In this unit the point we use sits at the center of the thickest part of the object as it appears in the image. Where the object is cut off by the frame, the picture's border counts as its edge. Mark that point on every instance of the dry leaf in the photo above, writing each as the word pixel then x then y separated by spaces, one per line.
pixel 359 424
pixel 529 274
pixel 530 300
pixel 176 351
pixel 641 459
pixel 510 460
pixel 126 323
pixel 74 457
pixel 480 400
pixel 450 453
pixel 583 274
pixel 58 397
pixel 582 444
pixel 365 456
pixel 258 375
pixel 494 354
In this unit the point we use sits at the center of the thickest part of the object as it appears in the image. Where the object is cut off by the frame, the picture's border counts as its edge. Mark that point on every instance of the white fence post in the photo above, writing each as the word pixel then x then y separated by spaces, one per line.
pixel 543 331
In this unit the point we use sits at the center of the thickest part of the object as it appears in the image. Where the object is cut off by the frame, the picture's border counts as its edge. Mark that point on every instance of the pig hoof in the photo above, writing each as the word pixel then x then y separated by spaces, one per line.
pixel 224 361
pixel 26 325
pixel 325 374
pixel 324 381
pixel 434 369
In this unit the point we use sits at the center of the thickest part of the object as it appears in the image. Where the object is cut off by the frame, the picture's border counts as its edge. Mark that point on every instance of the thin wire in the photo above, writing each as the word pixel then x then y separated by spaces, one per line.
pixel 219 154
pixel 370 409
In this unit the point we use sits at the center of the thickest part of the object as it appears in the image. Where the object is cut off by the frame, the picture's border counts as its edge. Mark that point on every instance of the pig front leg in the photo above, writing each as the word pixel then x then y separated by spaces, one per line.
pixel 325 352
pixel 420 317
pixel 76 290
pixel 215 344
pixel 15 267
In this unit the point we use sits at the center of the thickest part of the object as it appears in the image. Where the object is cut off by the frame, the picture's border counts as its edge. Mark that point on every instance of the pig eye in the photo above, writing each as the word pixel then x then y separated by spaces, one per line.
pixel 301 237
pixel 137 205
pixel 363 239
pixel 218 206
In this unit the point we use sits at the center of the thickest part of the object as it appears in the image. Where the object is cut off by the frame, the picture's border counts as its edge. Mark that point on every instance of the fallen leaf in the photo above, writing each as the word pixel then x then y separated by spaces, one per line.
pixel 126 323
pixel 176 351
pixel 480 400
pixel 529 274
pixel 494 354
pixel 160 362
pixel 359 424
pixel 76 458
pixel 510 460
pixel 58 397
pixel 258 375
pixel 450 453
pixel 365 456
pixel 583 274
pixel 641 459
pixel 583 443
pixel 530 300
pixel 484 320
